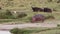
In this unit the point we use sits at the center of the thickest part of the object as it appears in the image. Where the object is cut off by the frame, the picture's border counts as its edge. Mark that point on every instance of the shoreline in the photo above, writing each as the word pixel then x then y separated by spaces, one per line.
pixel 9 27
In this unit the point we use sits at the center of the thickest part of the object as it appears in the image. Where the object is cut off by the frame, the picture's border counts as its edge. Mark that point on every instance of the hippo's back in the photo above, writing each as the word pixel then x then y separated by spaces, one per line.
pixel 39 16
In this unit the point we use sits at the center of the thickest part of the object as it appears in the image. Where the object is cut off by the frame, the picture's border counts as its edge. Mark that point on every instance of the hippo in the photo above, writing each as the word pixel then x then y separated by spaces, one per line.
pixel 38 17
pixel 47 10
pixel 36 9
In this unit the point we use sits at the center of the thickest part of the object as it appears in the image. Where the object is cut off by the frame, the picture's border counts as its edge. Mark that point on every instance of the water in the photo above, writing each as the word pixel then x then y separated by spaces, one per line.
pixel 5 32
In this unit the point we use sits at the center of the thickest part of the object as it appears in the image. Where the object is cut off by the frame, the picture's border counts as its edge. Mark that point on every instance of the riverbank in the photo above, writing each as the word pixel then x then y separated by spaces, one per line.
pixel 26 25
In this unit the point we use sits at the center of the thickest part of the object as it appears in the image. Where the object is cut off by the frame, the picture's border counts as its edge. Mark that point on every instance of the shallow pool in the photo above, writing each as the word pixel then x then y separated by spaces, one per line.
pixel 5 32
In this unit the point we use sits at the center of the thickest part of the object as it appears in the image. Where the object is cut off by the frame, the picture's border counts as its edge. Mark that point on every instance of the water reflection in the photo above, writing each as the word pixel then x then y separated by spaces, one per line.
pixel 5 32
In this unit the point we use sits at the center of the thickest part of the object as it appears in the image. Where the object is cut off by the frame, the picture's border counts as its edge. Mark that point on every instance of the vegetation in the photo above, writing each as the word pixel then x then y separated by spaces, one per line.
pixel 6 15
pixel 15 31
pixel 58 25
pixel 22 14
pixel 24 31
pixel 50 17
pixel 35 30
pixel 9 6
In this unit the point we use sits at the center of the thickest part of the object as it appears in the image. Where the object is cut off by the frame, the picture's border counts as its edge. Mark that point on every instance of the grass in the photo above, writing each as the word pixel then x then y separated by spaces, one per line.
pixel 45 14
pixel 6 20
pixel 29 15
pixel 40 30
pixel 27 30
pixel 49 32
pixel 25 6
pixel 45 31
pixel 52 31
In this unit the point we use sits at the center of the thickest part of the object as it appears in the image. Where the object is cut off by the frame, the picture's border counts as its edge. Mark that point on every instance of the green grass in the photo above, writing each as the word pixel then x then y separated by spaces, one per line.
pixel 6 20
pixel 53 31
pixel 49 32
pixel 25 6
pixel 40 30
pixel 30 14
pixel 44 30
pixel 27 30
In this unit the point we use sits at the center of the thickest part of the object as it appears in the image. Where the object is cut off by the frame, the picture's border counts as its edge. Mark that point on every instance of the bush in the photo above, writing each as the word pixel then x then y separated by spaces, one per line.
pixel 15 30
pixel 58 25
pixel 6 15
pixel 20 31
pixel 8 12
pixel 21 15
